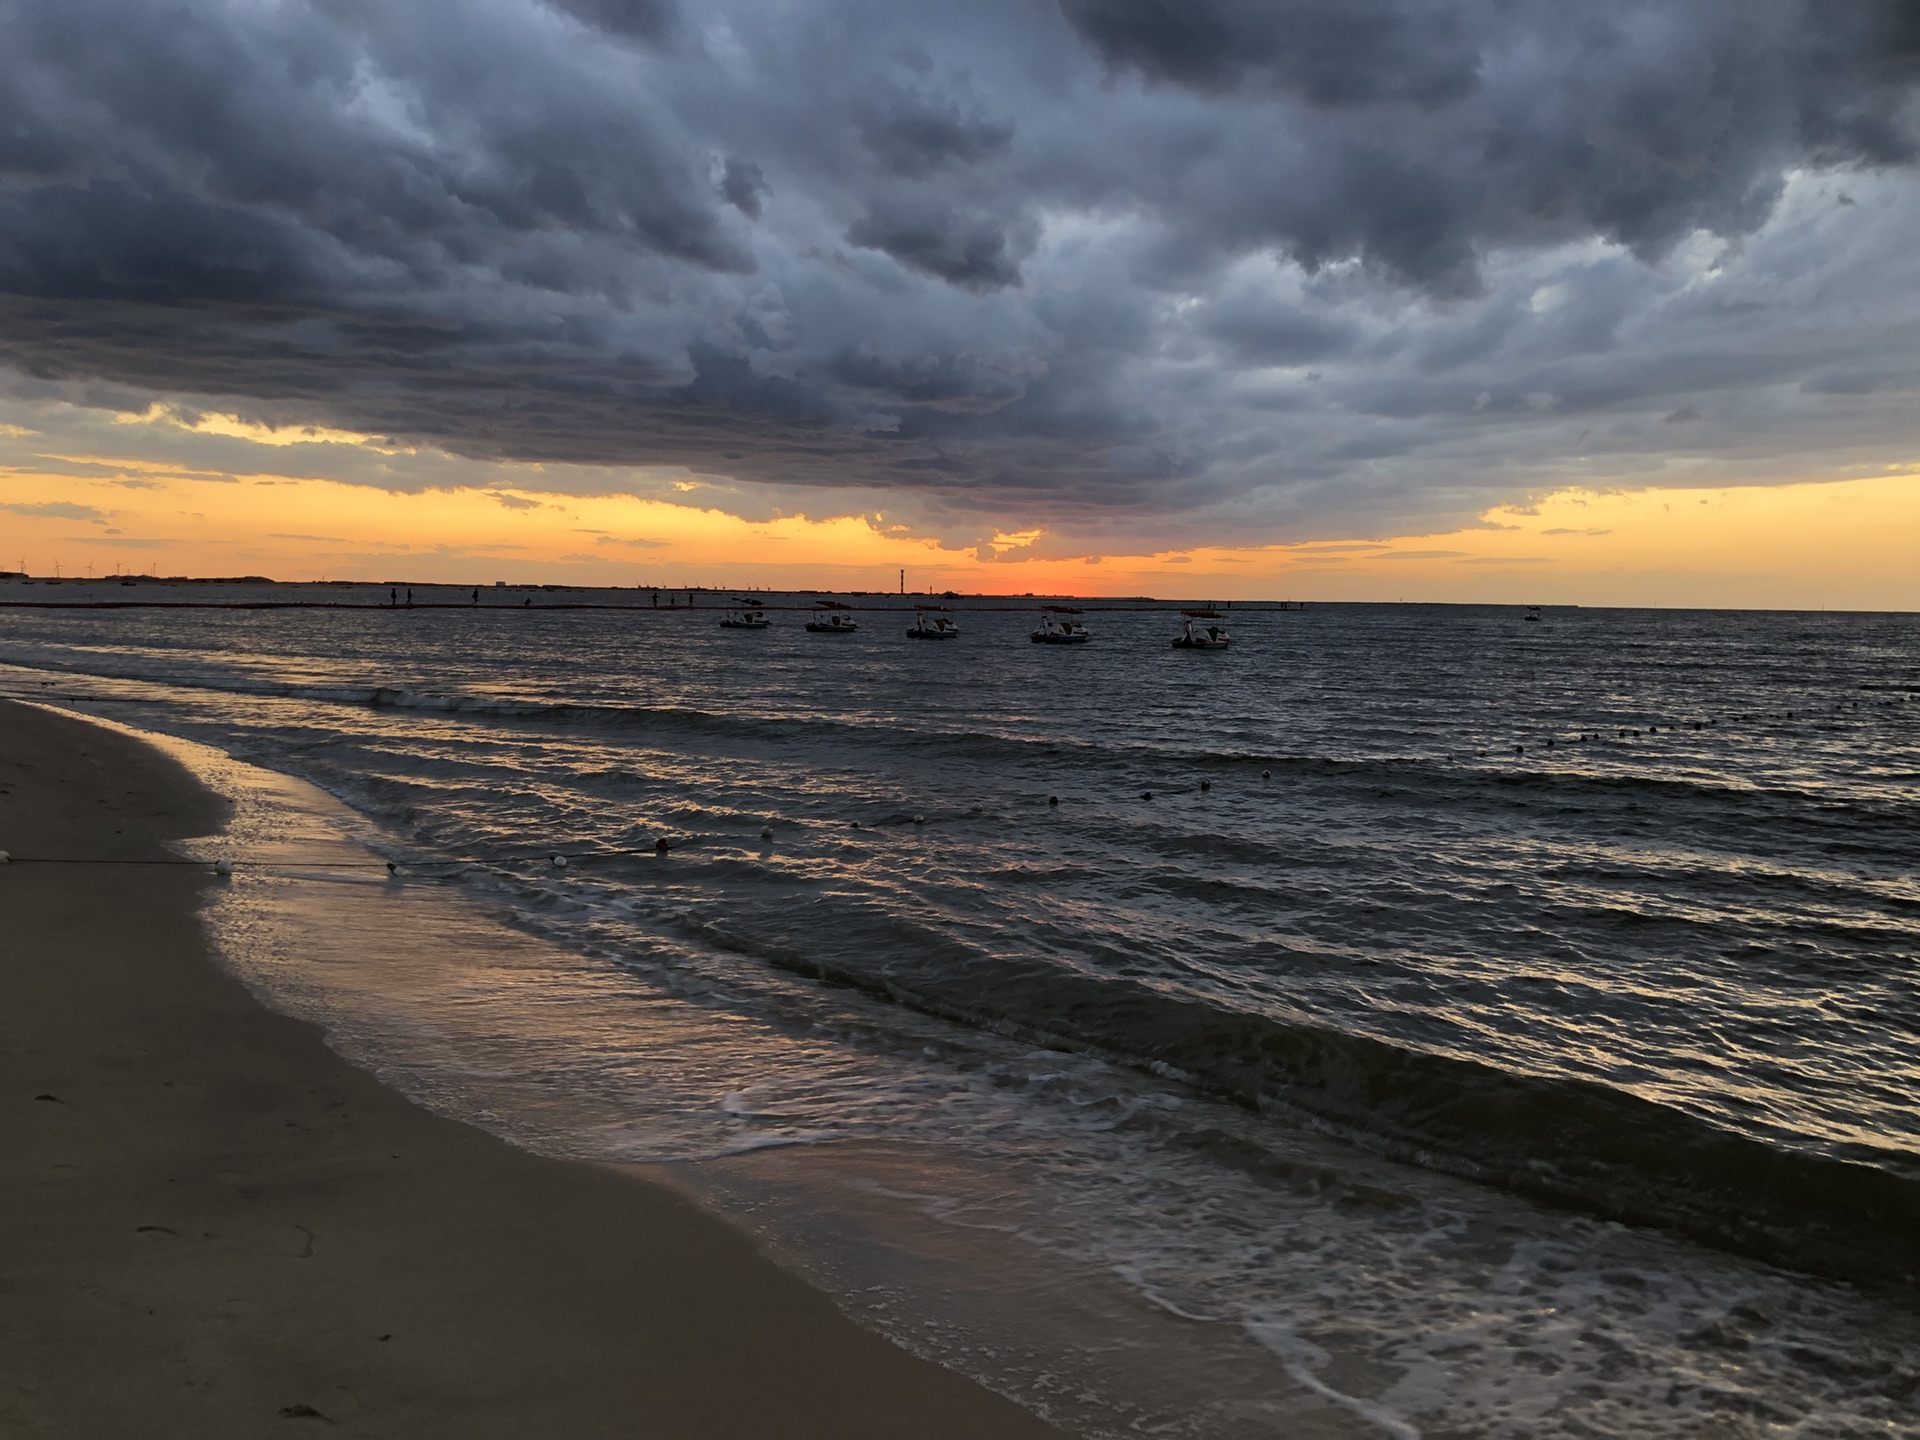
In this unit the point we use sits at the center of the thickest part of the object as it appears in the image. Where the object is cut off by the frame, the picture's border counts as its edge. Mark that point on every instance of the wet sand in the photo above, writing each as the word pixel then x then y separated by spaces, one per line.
pixel 211 1225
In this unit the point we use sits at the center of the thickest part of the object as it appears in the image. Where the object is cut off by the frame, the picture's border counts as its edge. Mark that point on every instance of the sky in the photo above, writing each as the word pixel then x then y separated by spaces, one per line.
pixel 1496 300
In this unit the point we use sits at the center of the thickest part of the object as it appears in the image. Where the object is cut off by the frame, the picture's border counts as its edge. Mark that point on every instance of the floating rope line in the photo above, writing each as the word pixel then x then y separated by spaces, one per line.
pixel 84 699
pixel 7 859
pixel 419 869
pixel 554 860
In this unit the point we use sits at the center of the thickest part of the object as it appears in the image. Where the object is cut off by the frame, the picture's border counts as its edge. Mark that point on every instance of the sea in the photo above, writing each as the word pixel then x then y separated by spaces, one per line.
pixel 1410 1021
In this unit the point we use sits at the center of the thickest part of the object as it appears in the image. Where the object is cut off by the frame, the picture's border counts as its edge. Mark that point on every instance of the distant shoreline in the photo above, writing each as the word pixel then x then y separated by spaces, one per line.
pixel 492 595
pixel 439 596
pixel 1131 607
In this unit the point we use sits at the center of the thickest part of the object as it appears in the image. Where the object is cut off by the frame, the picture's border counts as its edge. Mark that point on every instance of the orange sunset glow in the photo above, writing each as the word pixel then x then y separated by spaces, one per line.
pixel 1827 543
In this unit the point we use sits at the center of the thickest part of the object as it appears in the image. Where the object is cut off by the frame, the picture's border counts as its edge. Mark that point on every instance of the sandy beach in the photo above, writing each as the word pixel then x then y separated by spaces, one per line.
pixel 214 1226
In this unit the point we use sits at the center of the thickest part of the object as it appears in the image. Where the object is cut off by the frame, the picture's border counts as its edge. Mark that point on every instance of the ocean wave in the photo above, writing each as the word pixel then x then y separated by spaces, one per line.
pixel 1570 1142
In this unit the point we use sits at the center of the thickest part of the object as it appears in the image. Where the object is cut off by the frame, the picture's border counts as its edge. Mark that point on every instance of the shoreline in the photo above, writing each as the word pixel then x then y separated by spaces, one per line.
pixel 218 1224
pixel 1260 607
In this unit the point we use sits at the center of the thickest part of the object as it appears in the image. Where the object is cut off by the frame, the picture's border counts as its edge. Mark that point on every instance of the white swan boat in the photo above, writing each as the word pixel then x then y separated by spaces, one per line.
pixel 832 625
pixel 1060 632
pixel 1202 637
pixel 938 628
pixel 745 620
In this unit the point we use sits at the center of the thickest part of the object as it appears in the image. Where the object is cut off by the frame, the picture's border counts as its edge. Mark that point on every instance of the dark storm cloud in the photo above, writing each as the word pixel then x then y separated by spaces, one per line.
pixel 1437 131
pixel 742 186
pixel 974 252
pixel 314 151
pixel 1223 267
pixel 915 135
pixel 648 20
pixel 1327 52
pixel 1270 332
pixel 941 382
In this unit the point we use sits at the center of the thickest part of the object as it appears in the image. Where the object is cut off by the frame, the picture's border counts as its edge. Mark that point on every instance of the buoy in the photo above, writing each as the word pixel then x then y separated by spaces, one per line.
pixel 661 846
pixel 1053 799
pixel 5 858
pixel 1206 785
pixel 223 867
pixel 767 834
pixel 919 819
pixel 559 862
pixel 1146 794
pixel 1266 774
pixel 1549 742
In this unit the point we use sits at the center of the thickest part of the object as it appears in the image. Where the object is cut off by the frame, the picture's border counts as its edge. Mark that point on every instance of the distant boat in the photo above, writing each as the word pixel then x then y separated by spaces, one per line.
pixel 939 628
pixel 831 605
pixel 1533 614
pixel 745 620
pixel 1060 609
pixel 943 609
pixel 1205 612
pixel 1060 632
pixel 1210 637
pixel 833 625
pixel 743 600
